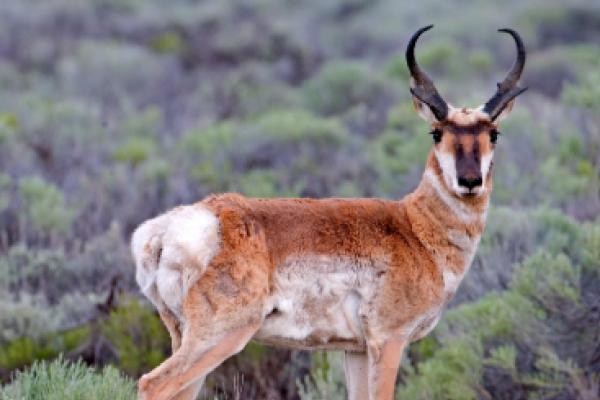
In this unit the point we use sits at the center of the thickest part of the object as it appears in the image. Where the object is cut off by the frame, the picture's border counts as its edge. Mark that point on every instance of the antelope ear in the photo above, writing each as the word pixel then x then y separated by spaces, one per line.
pixel 424 110
pixel 506 111
pixel 429 103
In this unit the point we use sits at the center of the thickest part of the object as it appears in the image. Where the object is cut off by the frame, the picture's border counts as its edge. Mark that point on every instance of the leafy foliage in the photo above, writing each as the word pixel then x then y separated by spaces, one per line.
pixel 61 380
pixel 139 337
pixel 327 380
pixel 45 205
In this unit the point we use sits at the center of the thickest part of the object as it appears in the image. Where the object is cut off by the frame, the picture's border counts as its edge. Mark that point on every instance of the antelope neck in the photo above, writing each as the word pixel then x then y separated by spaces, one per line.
pixel 448 226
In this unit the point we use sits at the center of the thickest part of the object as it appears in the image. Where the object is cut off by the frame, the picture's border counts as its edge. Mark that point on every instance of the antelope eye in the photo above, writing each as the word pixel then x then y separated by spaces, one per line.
pixel 437 136
pixel 494 136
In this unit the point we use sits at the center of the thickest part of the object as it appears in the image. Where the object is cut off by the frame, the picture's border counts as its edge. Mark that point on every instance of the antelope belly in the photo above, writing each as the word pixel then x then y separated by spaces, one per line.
pixel 315 305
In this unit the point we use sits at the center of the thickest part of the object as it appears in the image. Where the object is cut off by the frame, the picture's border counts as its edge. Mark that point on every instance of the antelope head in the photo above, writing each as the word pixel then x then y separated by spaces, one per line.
pixel 464 139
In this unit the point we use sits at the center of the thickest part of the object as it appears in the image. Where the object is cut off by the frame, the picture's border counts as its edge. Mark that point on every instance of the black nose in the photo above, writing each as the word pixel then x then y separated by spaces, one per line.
pixel 470 182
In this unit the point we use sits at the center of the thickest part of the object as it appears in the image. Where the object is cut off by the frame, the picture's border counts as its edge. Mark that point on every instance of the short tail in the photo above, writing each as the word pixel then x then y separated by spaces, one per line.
pixel 172 252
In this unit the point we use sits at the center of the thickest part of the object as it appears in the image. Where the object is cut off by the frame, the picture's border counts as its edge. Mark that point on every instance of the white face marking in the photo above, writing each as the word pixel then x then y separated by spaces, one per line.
pixel 486 161
pixel 448 165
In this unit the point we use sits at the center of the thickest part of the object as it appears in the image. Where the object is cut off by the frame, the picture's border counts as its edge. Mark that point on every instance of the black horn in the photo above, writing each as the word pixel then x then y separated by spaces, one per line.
pixel 508 90
pixel 420 85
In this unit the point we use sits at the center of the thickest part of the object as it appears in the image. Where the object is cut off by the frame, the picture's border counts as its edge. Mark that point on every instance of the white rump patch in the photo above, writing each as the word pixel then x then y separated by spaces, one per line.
pixel 146 245
pixel 172 251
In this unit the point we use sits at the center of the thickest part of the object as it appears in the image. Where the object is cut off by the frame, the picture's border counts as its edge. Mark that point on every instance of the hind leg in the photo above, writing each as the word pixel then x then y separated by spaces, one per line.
pixel 173 328
pixel 184 372
pixel 190 392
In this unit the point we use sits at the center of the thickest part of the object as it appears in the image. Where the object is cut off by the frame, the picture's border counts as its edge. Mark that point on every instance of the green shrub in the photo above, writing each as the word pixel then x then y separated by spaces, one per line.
pixel 327 381
pixel 24 351
pixel 250 91
pixel 264 184
pixel 138 335
pixel 109 70
pixel 585 94
pixel 135 150
pixel 481 61
pixel 23 268
pixel 168 42
pixel 146 123
pixel 31 329
pixel 404 117
pixel 62 128
pixel 5 196
pixel 140 132
pixel 437 54
pixel 207 141
pixel 340 85
pixel 441 55
pixel 400 151
pixel 156 171
pixel 60 380
pixel 9 124
pixel 25 317
pixel 548 71
pixel 231 157
pixel 46 206
pixel 300 126
pixel 561 23
pixel 396 68
pixel 565 181
pixel 394 154
pixel 452 374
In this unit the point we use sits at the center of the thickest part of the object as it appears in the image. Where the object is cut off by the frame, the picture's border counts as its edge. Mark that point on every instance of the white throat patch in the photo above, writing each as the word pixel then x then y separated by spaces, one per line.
pixel 461 210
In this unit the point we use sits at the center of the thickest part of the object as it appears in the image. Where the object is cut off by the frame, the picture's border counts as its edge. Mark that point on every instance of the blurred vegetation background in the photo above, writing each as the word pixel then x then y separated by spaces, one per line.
pixel 113 111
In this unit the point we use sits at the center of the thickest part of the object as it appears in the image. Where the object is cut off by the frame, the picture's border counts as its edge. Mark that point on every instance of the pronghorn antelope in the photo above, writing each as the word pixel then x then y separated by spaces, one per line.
pixel 365 276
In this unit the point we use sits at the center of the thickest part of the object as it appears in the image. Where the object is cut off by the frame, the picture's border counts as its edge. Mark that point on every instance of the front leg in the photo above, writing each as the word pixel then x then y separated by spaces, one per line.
pixel 383 369
pixel 357 375
pixel 372 375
